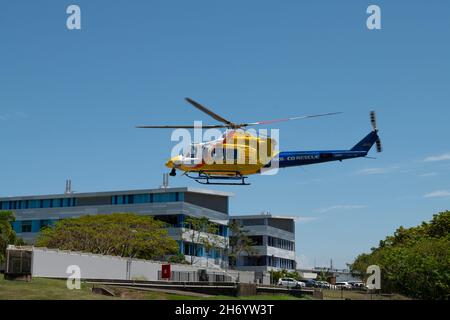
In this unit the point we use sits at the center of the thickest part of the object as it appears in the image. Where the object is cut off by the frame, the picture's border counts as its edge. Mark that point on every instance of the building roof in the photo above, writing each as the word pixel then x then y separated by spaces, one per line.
pixel 121 192
pixel 260 216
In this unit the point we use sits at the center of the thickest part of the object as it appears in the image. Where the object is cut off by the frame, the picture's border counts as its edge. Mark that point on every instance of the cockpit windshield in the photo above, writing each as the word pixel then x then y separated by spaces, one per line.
pixel 192 152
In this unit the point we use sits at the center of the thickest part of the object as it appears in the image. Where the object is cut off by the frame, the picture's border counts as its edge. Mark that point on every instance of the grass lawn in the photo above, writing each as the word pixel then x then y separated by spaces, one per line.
pixel 354 295
pixel 258 297
pixel 44 289
pixel 53 289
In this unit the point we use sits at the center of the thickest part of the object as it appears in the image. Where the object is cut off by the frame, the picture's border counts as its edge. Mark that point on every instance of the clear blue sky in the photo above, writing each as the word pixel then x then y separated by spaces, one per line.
pixel 69 101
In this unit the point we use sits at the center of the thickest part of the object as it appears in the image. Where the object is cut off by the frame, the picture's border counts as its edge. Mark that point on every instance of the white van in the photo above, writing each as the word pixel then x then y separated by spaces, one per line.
pixel 290 283
pixel 344 285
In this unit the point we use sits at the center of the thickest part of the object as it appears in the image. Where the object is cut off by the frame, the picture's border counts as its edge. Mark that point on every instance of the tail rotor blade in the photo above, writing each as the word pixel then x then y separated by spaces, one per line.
pixel 373 120
pixel 379 146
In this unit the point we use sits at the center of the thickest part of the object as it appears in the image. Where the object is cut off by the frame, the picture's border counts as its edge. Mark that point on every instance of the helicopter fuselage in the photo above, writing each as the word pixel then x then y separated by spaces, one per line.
pixel 247 155
pixel 238 153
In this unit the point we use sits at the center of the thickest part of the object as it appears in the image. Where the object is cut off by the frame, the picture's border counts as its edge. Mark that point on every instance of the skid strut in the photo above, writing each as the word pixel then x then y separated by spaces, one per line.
pixel 233 178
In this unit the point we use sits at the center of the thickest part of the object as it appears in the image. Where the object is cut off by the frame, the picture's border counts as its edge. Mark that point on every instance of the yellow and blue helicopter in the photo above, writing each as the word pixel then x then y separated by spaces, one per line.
pixel 230 159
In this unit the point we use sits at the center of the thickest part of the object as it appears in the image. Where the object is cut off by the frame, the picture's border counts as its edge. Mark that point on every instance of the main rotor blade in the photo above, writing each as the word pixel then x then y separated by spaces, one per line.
pixel 209 112
pixel 183 127
pixel 288 119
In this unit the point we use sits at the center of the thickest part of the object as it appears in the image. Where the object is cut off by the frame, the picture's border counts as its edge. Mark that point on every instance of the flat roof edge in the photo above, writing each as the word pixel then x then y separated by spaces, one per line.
pixel 118 192
pixel 261 216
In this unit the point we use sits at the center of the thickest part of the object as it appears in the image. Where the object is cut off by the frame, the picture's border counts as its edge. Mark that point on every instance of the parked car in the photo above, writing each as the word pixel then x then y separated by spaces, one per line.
pixel 344 285
pixel 357 284
pixel 310 283
pixel 290 283
pixel 324 284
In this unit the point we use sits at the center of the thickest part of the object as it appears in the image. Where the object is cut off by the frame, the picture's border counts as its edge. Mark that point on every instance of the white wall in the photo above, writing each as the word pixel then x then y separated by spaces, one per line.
pixel 49 263
pixel 144 270
pixel 54 263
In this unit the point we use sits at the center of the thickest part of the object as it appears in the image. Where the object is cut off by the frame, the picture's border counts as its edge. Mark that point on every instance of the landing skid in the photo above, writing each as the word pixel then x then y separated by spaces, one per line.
pixel 203 177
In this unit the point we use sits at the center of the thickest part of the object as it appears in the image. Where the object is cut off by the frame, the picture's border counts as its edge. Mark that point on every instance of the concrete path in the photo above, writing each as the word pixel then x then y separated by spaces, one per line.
pixel 169 291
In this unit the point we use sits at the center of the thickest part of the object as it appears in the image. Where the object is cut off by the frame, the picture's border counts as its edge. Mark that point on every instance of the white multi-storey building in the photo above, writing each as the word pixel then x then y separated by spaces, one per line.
pixel 273 239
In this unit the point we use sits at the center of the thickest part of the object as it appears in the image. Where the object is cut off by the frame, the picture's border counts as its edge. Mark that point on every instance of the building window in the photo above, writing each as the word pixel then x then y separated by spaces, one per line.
pixel 280 243
pixel 280 263
pixel 191 250
pixel 37 204
pixel 68 202
pixel 256 240
pixel 170 220
pixel 222 230
pixel 254 261
pixel 26 226
pixel 34 204
pixel 45 224
pixel 117 200
pixel 253 222
pixel 165 197
pixel 282 224
pixel 147 198
pixel 142 198
pixel 47 203
pixel 56 203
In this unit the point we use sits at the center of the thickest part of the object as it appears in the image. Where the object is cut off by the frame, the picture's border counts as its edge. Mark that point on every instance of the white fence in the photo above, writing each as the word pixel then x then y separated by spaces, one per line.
pixel 50 263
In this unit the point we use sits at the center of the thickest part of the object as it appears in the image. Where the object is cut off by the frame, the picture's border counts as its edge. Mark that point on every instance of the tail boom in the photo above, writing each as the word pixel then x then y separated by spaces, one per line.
pixel 300 158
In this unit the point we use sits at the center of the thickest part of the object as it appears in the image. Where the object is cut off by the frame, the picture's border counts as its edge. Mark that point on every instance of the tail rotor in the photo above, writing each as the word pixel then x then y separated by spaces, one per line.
pixel 373 122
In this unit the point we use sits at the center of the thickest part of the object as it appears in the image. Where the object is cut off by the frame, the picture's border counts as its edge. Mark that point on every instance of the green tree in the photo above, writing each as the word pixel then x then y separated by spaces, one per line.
pixel 201 234
pixel 178 258
pixel 275 275
pixel 414 261
pixel 324 275
pixel 7 234
pixel 119 234
pixel 239 243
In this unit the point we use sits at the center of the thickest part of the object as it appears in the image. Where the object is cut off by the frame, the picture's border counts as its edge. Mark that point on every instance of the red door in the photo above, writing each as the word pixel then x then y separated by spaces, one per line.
pixel 165 271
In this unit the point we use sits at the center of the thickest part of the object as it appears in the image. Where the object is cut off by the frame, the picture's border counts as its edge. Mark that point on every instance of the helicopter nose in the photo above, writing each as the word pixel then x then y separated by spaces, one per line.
pixel 173 162
pixel 169 164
